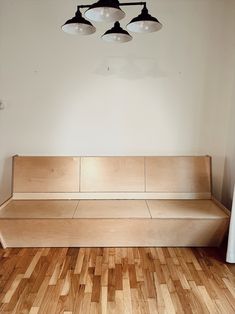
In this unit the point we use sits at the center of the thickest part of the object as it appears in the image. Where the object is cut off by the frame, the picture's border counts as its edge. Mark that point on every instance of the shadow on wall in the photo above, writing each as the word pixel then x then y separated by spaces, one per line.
pixel 227 189
pixel 131 68
pixel 6 180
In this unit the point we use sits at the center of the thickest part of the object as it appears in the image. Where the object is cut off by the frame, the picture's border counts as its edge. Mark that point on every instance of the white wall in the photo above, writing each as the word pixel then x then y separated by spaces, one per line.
pixel 229 167
pixel 67 95
pixel 218 119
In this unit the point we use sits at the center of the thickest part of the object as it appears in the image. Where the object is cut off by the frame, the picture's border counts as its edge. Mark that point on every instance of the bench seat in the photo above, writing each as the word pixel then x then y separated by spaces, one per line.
pixel 39 209
pixel 112 223
pixel 185 209
pixel 78 209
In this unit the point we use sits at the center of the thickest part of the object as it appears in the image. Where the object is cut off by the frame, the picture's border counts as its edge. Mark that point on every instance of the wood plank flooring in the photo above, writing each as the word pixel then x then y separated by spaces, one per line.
pixel 115 280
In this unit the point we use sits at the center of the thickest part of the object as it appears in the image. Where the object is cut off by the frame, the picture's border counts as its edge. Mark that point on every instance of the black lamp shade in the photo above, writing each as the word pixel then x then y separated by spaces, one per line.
pixel 144 23
pixel 117 34
pixel 78 25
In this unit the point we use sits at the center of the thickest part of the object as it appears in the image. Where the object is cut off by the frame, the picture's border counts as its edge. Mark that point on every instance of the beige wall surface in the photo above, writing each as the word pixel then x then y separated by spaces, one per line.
pixel 167 93
pixel 218 127
pixel 229 167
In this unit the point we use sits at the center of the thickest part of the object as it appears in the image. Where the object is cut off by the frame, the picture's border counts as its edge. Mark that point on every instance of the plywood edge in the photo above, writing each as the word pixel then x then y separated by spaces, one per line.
pixel 224 231
pixel 222 219
pixel 210 175
pixel 120 196
pixel 221 206
pixel 107 156
pixel 5 203
pixel 46 156
pixel 2 242
pixel 13 174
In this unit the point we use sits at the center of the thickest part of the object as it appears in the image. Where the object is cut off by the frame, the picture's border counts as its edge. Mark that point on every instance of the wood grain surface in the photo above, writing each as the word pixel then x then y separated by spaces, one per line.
pixel 99 232
pixel 112 209
pixel 112 174
pixel 39 209
pixel 115 280
pixel 178 174
pixel 46 174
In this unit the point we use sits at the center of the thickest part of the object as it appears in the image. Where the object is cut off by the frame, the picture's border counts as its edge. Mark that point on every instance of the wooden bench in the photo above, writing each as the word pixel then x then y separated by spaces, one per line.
pixel 112 201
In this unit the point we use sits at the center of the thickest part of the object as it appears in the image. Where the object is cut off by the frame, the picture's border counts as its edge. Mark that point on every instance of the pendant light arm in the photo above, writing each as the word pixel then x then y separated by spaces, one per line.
pixel 124 4
pixel 83 6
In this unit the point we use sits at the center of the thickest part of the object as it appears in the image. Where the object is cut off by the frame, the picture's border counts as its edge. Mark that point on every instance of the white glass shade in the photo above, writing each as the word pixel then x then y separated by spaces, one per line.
pixel 116 38
pixel 144 26
pixel 78 29
pixel 104 14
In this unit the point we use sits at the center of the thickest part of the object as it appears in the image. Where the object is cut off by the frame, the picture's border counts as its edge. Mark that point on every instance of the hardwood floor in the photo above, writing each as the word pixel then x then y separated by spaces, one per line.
pixel 113 280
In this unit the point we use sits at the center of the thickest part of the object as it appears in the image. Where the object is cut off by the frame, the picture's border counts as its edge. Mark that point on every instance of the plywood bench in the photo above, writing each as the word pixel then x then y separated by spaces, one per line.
pixel 112 201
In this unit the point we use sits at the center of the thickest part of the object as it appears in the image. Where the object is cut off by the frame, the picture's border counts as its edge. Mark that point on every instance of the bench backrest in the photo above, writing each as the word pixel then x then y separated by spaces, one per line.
pixel 112 177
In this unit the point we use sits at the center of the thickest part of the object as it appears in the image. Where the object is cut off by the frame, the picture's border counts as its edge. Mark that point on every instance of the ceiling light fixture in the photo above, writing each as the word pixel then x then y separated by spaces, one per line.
pixel 110 11
pixel 78 25
pixel 117 34
pixel 105 11
pixel 144 23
